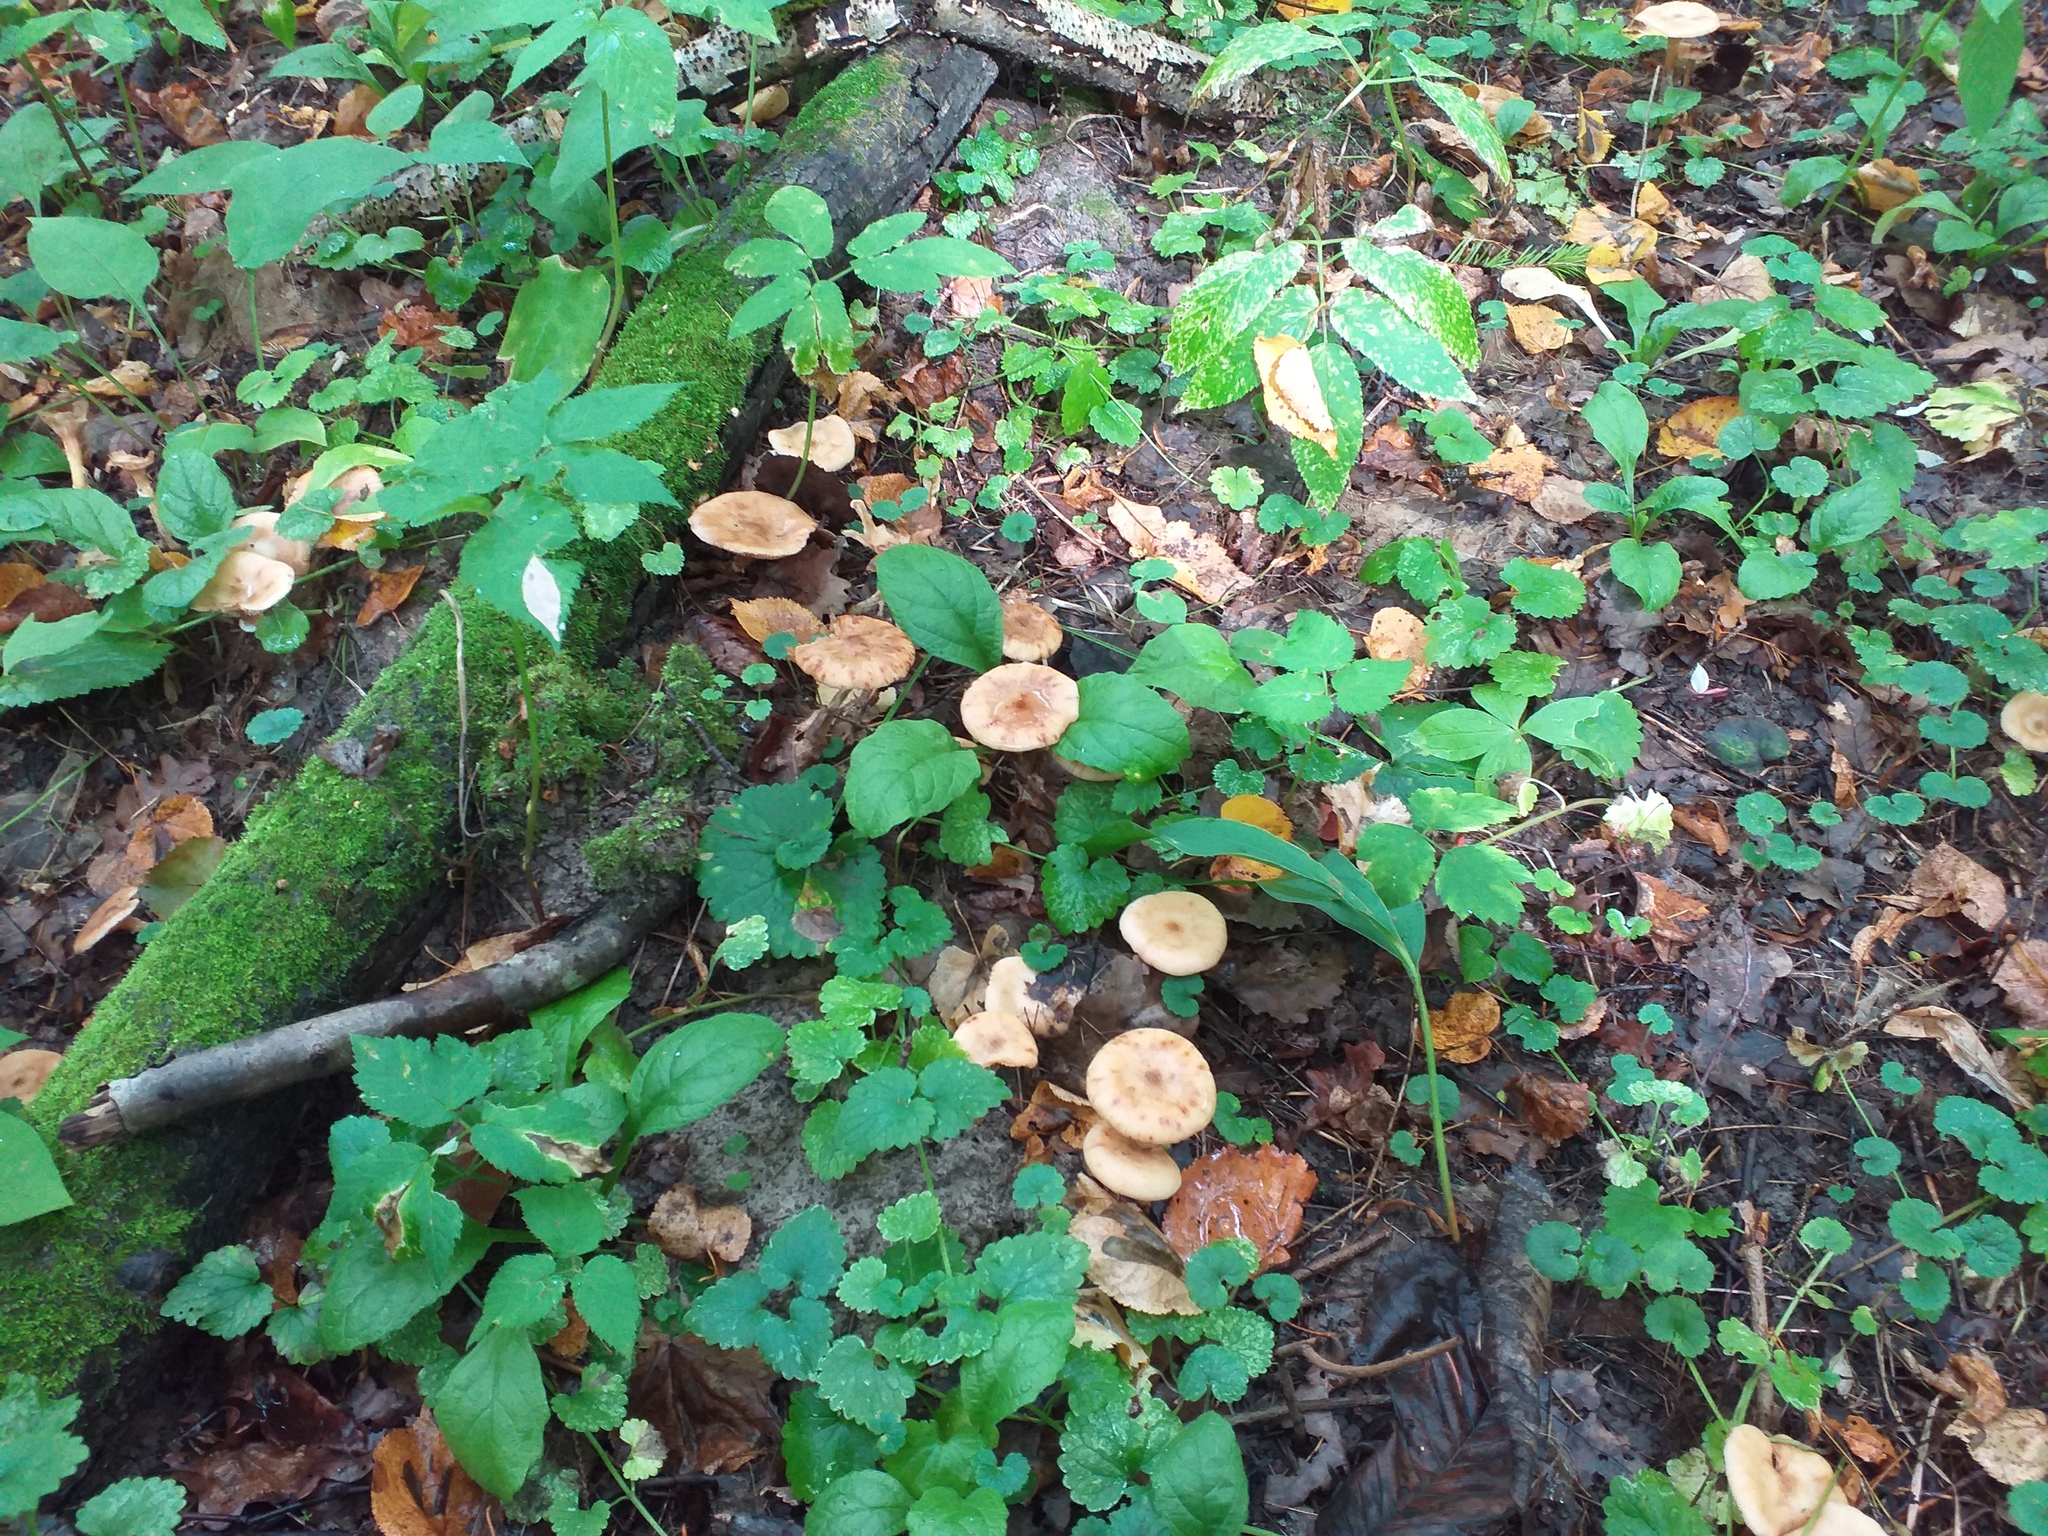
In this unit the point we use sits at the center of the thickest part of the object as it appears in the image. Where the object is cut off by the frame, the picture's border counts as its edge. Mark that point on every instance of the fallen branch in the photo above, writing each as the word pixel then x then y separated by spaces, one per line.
pixel 321 1047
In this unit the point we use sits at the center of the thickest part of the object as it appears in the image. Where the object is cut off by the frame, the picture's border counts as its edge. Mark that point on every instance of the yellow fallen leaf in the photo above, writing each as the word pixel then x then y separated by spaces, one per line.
pixel 1618 244
pixel 1515 471
pixel 1652 204
pixel 1463 1028
pixel 1694 429
pixel 1293 393
pixel 1592 141
pixel 1537 327
pixel 1258 811
pixel 1884 184
pixel 1398 635
pixel 761 617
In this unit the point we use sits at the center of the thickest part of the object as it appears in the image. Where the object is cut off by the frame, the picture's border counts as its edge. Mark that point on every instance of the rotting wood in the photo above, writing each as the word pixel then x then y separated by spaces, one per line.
pixel 188 1086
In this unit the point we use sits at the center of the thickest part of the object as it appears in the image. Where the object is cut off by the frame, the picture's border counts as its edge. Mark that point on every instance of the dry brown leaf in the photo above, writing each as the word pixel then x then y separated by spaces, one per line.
pixel 389 588
pixel 1561 500
pixel 1293 393
pixel 1555 1108
pixel 761 617
pixel 1997 1070
pixel 1884 184
pixel 1129 1259
pixel 1202 567
pixel 693 1232
pixel 416 1488
pixel 1703 822
pixel 1651 203
pixel 1398 635
pixel 712 1407
pixel 1609 85
pixel 1591 139
pixel 1537 328
pixel 2023 977
pixel 1254 1193
pixel 2012 1447
pixel 1619 244
pixel 351 115
pixel 1674 918
pixel 182 109
pixel 1516 471
pixel 1463 1028
pixel 23 1073
pixel 1742 278
pixel 1949 880
pixel 1052 1115
pixel 1258 811
pixel 969 296
pixel 1391 451
pixel 1694 429
pixel 15 579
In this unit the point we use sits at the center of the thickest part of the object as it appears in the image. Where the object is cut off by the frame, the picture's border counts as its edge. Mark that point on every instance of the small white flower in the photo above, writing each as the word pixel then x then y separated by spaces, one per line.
pixel 1644 818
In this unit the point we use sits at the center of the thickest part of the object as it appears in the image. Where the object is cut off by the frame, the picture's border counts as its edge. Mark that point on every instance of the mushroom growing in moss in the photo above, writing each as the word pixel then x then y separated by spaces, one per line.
pixel 832 442
pixel 754 524
pixel 2025 720
pixel 857 654
pixel 1152 1086
pixel 1177 932
pixel 1133 1169
pixel 1029 632
pixel 1020 707
pixel 997 1040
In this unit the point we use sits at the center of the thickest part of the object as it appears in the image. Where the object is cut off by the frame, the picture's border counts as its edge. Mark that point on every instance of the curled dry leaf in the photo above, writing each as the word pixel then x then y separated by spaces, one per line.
pixel 1253 1193
pixel 1694 429
pixel 1537 328
pixel 417 1489
pixel 1534 284
pixel 1202 567
pixel 1884 184
pixel 1293 394
pixel 1742 278
pixel 761 617
pixel 711 1407
pixel 1398 635
pixel 2012 1447
pixel 1129 1259
pixel 1555 1108
pixel 1052 1115
pixel 389 588
pixel 23 1073
pixel 2023 977
pixel 691 1232
pixel 1997 1070
pixel 1464 1026
pixel 1949 880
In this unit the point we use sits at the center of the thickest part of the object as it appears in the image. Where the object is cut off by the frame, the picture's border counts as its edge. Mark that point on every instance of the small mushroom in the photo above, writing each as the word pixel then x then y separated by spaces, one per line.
pixel 1675 21
pixel 1020 707
pixel 1083 771
pixel 1153 1086
pixel 1009 991
pixel 832 443
pixel 265 541
pixel 1778 1484
pixel 997 1040
pixel 246 584
pixel 23 1073
pixel 766 105
pixel 857 654
pixel 1129 1168
pixel 753 523
pixel 1177 932
pixel 2025 720
pixel 1029 632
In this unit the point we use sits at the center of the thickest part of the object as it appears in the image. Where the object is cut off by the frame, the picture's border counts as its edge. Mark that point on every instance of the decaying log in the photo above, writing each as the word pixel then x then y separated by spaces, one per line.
pixel 187 1086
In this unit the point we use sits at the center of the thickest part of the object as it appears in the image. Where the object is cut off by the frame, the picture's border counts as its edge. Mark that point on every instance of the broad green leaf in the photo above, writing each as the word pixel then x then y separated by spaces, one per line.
pixel 1081 892
pixel 135 1506
pixel 905 769
pixel 1397 346
pixel 21 342
pixel 608 1297
pixel 1024 1359
pixel 30 1185
pixel 32 154
pixel 1988 63
pixel 1194 662
pixel 1326 475
pixel 688 1074
pixel 1476 128
pixel 801 214
pixel 1257 48
pixel 276 195
pixel 493 1410
pixel 1219 305
pixel 1651 571
pixel 922 264
pixel 1543 591
pixel 1124 727
pixel 37 1449
pixel 395 111
pixel 1479 880
pixel 93 259
pixel 1619 425
pixel 862 1503
pixel 1197 1482
pixel 194 19
pixel 1423 290
pixel 629 58
pixel 421 1082
pixel 555 322
pixel 944 603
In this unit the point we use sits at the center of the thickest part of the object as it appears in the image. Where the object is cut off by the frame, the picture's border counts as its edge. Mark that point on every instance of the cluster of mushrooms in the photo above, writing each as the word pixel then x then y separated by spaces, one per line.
pixel 259 573
pixel 1149 1088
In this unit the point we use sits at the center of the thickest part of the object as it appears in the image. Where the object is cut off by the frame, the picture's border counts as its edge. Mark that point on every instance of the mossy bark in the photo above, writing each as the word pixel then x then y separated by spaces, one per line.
pixel 317 892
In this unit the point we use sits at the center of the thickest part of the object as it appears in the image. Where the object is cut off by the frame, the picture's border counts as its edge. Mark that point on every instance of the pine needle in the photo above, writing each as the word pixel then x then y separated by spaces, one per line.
pixel 1566 260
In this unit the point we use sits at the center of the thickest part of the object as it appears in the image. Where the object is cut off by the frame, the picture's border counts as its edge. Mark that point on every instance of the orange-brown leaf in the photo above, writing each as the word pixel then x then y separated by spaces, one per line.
pixel 416 1488
pixel 1555 1108
pixel 1252 1193
pixel 1463 1028
pixel 389 588
pixel 1694 430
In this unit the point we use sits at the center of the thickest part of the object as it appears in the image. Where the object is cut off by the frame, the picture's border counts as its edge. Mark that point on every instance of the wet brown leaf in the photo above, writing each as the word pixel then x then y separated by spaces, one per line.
pixel 1287 980
pixel 1703 822
pixel 711 1406
pixel 389 588
pixel 1052 1115
pixel 227 1481
pixel 416 1488
pixel 1674 918
pixel 46 603
pixel 16 577
pixel 1555 1108
pixel 1391 451
pixel 1694 430
pixel 1255 1194
pixel 351 116
pixel 1464 1026
pixel 925 383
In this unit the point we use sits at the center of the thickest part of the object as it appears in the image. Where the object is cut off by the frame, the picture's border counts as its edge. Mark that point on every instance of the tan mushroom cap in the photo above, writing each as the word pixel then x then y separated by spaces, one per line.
pixel 997 1040
pixel 1020 707
pixel 246 583
pixel 2025 720
pixel 23 1073
pixel 832 442
pixel 1129 1168
pixel 1177 932
pixel 753 523
pixel 1677 18
pixel 1777 1485
pixel 296 553
pixel 1153 1086
pixel 1029 632
pixel 1009 991
pixel 857 653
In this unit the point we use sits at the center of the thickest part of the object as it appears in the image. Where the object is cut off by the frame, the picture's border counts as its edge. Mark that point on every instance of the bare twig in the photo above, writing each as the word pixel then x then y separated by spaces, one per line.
pixel 1379 1368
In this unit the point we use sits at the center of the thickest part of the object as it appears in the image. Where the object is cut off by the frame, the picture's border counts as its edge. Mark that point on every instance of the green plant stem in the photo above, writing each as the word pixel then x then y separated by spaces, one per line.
pixel 533 786
pixel 134 130
pixel 611 197
pixel 1864 1115
pixel 101 405
pixel 903 688
pixel 803 464
pixel 1864 144
pixel 39 799
pixel 632 1494
pixel 64 133
pixel 1436 1113
pixel 1536 821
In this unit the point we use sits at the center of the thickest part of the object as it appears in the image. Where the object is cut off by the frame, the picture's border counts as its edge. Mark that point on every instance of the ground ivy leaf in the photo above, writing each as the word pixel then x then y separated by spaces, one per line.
pixel 863 1387
pixel 1481 881
pixel 1081 893
pixel 224 1294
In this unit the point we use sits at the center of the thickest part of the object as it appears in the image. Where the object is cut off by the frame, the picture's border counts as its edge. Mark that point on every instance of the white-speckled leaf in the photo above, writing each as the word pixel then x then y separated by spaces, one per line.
pixel 1423 290
pixel 1220 304
pixel 1397 346
pixel 1232 374
pixel 1326 475
pixel 1471 121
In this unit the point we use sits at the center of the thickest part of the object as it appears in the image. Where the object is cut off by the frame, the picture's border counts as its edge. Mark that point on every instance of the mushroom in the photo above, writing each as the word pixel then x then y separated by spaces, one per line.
pixel 1778 1484
pixel 997 1040
pixel 1130 1168
pixel 2025 720
pixel 1177 932
pixel 754 524
pixel 265 541
pixel 1020 707
pixel 1675 21
pixel 246 583
pixel 1029 632
pixel 857 654
pixel 832 444
pixel 1152 1086
pixel 1009 991
pixel 106 917
pixel 1083 771
pixel 23 1073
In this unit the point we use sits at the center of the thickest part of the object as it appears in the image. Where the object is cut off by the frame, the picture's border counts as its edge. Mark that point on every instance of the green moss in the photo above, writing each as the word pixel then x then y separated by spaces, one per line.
pixel 579 713
pixel 661 835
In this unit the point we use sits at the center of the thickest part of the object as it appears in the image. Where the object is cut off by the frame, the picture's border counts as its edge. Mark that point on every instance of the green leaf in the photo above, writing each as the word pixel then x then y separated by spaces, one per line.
pixel 1080 892
pixel 552 1141
pixel 135 1506
pixel 493 1410
pixel 192 18
pixel 862 1503
pixel 803 216
pixel 2027 1505
pixel 1619 425
pixel 698 1068
pixel 1477 129
pixel 277 195
pixel 1124 727
pixel 959 1093
pixel 1918 1225
pixel 30 1185
pixel 630 59
pixel 944 603
pixel 1327 475
pixel 608 1297
pixel 1543 591
pixel 1221 304
pixel 1988 63
pixel 1423 290
pixel 863 1387
pixel 526 1291
pixel 1197 1480
pixel 926 263
pixel 37 1449
pixel 1601 733
pixel 905 769
pixel 567 1022
pixel 1651 571
pixel 571 1219
pixel 1257 48
pixel 1926 1291
pixel 1649 1504
pixel 1808 178
pixel 1194 662
pixel 422 1082
pixel 1409 355
pixel 1679 1322
pixel 1023 1360
pixel 32 154
pixel 1479 880
pixel 93 259
pixel 556 320
pixel 224 1294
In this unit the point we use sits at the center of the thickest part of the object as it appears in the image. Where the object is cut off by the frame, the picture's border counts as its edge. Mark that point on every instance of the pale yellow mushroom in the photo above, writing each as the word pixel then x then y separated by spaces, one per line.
pixel 997 1040
pixel 1675 21
pixel 246 584
pixel 1009 991
pixel 1152 1086
pixel 857 654
pixel 832 442
pixel 1083 771
pixel 1020 707
pixel 1129 1168
pixel 1777 1485
pixel 753 523
pixel 2025 720
pixel 1177 932
pixel 1029 632
pixel 23 1073
pixel 265 541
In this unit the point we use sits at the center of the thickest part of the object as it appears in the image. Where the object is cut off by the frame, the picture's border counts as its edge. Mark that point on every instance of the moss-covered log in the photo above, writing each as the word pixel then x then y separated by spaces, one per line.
pixel 315 898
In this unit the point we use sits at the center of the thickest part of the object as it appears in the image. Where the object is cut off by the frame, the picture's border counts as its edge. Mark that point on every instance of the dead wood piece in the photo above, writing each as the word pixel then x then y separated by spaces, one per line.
pixel 323 1046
